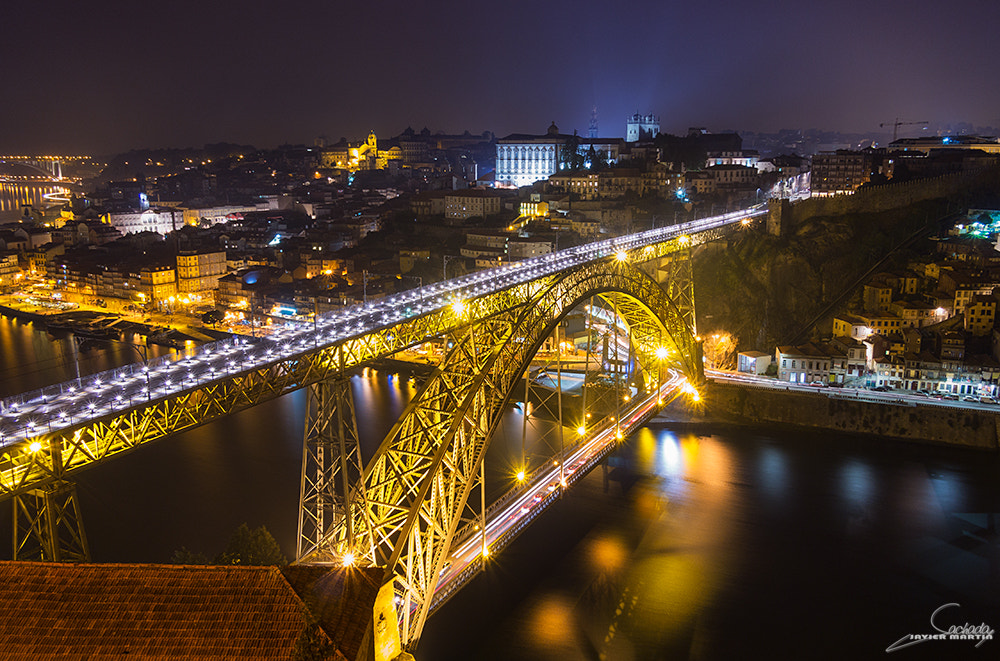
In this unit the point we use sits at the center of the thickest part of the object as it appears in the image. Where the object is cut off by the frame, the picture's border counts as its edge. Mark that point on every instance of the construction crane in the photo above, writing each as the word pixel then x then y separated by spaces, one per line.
pixel 896 124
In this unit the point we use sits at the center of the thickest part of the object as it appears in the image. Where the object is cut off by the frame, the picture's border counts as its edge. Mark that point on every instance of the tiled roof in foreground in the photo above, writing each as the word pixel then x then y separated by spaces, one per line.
pixel 102 611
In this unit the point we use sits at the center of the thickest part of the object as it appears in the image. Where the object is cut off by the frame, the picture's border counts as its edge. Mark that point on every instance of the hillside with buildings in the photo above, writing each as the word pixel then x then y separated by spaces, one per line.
pixel 764 288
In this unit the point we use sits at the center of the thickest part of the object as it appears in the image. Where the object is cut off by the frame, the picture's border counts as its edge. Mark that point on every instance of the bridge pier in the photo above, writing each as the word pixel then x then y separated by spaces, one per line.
pixel 331 464
pixel 48 525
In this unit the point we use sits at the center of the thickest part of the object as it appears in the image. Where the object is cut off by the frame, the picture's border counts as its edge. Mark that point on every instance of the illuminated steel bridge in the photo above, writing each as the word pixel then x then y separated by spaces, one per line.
pixel 403 508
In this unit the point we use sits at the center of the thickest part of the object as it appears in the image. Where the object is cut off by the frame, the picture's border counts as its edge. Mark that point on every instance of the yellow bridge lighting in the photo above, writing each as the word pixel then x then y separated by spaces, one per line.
pixel 458 307
pixel 621 256
pixel 690 390
pixel 348 559
pixel 662 352
pixel 684 239
pixel 34 447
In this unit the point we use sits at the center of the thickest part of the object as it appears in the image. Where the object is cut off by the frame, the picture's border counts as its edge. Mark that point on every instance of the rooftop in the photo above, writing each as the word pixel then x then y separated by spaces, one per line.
pixel 55 610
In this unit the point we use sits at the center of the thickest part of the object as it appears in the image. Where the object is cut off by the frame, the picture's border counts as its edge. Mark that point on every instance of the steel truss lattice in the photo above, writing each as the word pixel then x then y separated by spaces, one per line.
pixel 402 509
pixel 418 483
pixel 48 526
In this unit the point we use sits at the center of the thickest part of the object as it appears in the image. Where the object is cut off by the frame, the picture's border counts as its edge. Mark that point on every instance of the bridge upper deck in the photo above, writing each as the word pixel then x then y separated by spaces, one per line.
pixel 227 358
pixel 144 401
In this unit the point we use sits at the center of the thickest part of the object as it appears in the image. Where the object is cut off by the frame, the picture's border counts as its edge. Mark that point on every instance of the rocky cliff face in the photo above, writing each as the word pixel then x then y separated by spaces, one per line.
pixel 764 289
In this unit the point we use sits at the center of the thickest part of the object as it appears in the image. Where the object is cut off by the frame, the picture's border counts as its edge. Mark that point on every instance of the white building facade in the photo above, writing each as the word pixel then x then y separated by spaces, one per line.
pixel 641 127
pixel 150 220
pixel 523 159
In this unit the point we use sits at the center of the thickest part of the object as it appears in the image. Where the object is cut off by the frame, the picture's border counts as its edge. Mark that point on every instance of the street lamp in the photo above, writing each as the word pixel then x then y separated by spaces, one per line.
pixel 143 353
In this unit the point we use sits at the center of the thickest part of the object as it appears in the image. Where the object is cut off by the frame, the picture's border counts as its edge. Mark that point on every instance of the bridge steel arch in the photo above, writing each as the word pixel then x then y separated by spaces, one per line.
pixel 408 501
pixel 120 410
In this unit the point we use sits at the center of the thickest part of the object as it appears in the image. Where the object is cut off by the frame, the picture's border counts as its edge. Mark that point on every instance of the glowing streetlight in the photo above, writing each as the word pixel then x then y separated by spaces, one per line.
pixel 690 390
pixel 621 256
pixel 581 430
pixel 662 353
pixel 520 475
pixel 348 559
pixel 34 447
pixel 458 307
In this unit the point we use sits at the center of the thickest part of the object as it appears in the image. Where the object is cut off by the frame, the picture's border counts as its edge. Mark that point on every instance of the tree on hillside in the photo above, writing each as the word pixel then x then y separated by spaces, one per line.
pixel 252 547
pixel 571 156
pixel 184 557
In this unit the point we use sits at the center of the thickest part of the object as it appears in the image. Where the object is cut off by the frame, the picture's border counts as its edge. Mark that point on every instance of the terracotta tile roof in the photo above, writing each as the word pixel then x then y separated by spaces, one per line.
pixel 103 611
pixel 342 599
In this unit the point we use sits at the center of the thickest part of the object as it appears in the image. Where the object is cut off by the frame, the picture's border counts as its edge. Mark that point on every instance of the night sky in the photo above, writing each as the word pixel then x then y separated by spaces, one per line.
pixel 103 77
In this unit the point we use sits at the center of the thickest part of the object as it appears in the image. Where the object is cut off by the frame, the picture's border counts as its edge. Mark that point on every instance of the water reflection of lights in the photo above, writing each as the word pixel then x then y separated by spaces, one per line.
pixel 672 460
pixel 773 472
pixel 949 491
pixel 608 554
pixel 645 443
pixel 856 483
pixel 552 623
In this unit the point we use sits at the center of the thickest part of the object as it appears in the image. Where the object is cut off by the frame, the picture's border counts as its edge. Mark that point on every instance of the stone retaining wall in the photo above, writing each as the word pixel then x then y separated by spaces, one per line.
pixel 927 423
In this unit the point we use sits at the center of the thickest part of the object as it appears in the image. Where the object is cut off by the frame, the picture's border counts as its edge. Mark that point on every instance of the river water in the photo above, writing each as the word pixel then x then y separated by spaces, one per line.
pixel 714 543
pixel 15 195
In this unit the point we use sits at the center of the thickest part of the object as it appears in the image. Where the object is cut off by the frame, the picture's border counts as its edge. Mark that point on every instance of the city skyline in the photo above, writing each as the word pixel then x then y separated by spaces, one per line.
pixel 126 76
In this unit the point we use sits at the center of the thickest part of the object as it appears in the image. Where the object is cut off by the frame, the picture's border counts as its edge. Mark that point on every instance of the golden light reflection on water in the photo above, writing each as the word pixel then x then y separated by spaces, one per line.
pixel 645 450
pixel 608 554
pixel 14 196
pixel 673 573
pixel 552 623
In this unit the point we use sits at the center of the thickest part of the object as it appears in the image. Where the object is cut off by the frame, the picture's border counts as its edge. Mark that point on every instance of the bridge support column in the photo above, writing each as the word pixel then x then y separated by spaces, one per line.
pixel 48 525
pixel 675 275
pixel 331 464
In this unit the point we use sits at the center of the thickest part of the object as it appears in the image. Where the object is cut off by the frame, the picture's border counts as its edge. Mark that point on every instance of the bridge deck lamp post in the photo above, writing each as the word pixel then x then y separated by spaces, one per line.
pixel 142 351
pixel 661 355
